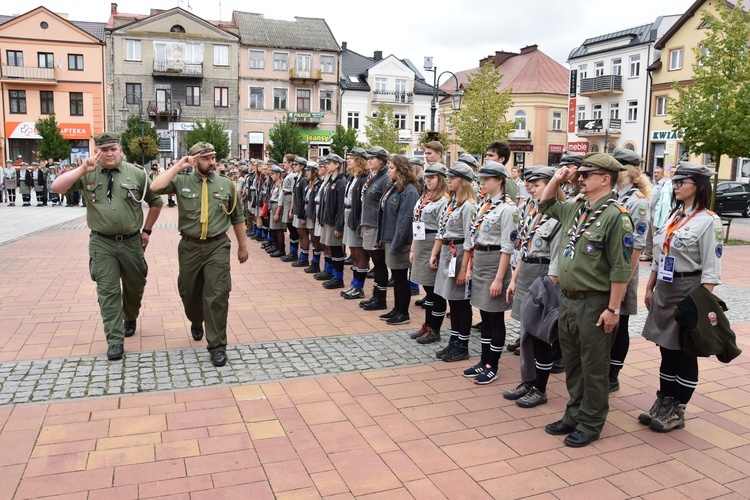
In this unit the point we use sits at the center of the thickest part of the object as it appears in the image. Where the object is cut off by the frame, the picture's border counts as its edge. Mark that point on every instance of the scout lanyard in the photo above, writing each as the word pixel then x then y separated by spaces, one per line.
pixel 488 207
pixel 626 197
pixel 423 203
pixel 444 216
pixel 675 224
pixel 526 243
pixel 582 222
pixel 384 199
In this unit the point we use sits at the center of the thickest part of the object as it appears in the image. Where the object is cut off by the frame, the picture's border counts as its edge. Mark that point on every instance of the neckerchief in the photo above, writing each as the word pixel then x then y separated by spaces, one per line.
pixel 423 203
pixel 487 207
pixel 446 213
pixel 626 197
pixel 583 221
pixel 675 223
pixel 537 220
pixel 384 199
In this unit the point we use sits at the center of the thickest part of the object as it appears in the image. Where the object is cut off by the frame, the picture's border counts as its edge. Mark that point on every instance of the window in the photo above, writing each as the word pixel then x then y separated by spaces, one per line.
pixel 160 54
pixel 381 84
pixel 221 97
pixel 133 93
pixel 661 105
pixel 257 59
pixel 520 120
pixel 75 62
pixel 617 66
pixel 132 50
pixel 193 53
pixel 556 120
pixel 583 71
pixel 326 64
pixel 635 66
pixel 352 119
pixel 420 123
pixel 221 55
pixel 76 103
pixel 303 101
pixel 599 68
pixel 675 59
pixel 280 61
pixel 614 110
pixel 400 120
pixel 17 101
pixel 632 111
pixel 326 100
pixel 597 112
pixel 304 63
pixel 280 97
pixel 46 60
pixel 257 98
pixel 192 95
pixel 46 102
pixel 400 90
pixel 704 55
pixel 581 114
pixel 15 58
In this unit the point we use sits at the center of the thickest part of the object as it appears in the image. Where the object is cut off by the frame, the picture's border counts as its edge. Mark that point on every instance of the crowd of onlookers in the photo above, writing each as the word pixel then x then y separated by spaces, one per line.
pixel 26 184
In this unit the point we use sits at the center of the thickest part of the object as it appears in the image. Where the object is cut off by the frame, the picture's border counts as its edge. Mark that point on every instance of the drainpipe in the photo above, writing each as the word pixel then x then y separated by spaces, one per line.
pixel 647 117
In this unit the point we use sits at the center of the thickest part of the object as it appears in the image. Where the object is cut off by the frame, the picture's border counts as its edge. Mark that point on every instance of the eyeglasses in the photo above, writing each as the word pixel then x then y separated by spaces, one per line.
pixel 584 175
pixel 679 183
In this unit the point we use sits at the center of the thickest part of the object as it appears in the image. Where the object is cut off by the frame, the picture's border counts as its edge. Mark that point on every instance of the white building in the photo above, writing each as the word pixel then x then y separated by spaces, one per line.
pixel 610 89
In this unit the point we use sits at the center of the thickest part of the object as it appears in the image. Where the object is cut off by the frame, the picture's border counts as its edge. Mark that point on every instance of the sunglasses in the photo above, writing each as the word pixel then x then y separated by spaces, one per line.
pixel 679 183
pixel 584 175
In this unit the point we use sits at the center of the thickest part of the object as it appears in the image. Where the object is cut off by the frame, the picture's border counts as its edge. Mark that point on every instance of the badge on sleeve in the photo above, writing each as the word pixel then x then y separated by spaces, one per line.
pixel 642 211
pixel 641 228
pixel 589 248
pixel 627 225
pixel 719 233
pixel 627 240
pixel 515 217
pixel 719 250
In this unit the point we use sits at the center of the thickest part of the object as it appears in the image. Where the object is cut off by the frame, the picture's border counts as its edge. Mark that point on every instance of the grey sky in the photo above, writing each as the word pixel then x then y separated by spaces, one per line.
pixel 456 33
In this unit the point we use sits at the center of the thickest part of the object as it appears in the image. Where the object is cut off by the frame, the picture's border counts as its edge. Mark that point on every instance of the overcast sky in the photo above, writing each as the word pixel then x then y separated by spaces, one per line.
pixel 456 34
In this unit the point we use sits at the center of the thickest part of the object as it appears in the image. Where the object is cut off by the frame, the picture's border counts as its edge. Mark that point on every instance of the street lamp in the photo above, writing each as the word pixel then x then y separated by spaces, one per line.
pixel 456 97
pixel 124 112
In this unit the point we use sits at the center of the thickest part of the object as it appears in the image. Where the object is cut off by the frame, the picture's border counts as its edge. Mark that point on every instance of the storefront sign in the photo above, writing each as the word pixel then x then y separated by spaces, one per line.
pixel 318 116
pixel 316 135
pixel 578 147
pixel 573 82
pixel 526 148
pixel 27 130
pixel 665 135
pixel 255 138
pixel 572 115
pixel 556 148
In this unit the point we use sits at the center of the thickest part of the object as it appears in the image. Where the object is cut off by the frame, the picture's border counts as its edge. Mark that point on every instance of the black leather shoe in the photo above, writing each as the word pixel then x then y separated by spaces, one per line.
pixel 115 352
pixel 312 268
pixel 398 319
pixel 129 327
pixel 559 428
pixel 218 358
pixel 371 273
pixel 579 439
pixel 334 284
pixel 300 263
pixel 376 305
pixel 558 366
pixel 277 253
pixel 323 276
pixel 196 330
pixel 389 314
pixel 290 257
pixel 420 302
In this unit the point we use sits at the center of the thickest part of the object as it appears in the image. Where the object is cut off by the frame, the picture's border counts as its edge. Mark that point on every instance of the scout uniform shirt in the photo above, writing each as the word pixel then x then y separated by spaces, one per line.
pixel 637 206
pixel 455 223
pixel 602 253
pixel 224 209
pixel 544 242
pixel 428 212
pixel 122 214
pixel 498 224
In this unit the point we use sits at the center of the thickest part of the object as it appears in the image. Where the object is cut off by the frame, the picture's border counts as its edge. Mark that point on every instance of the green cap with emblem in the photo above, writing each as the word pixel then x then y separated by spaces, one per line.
pixel 378 152
pixel 468 160
pixel 600 161
pixel 277 169
pixel 202 149
pixel 311 165
pixel 436 169
pixel 357 151
pixel 462 170
pixel 299 160
pixel 106 139
pixel 627 157
pixel 539 172
pixel 687 169
pixel 571 159
pixel 493 169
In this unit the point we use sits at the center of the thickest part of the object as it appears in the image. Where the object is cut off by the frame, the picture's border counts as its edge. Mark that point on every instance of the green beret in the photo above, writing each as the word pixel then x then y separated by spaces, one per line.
pixel 600 161
pixel 106 139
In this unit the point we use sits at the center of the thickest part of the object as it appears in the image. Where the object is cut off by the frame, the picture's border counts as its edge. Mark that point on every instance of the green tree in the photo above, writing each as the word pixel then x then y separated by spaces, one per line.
pixel 286 138
pixel 712 113
pixel 481 119
pixel 52 144
pixel 212 131
pixel 441 137
pixel 343 140
pixel 381 129
pixel 131 143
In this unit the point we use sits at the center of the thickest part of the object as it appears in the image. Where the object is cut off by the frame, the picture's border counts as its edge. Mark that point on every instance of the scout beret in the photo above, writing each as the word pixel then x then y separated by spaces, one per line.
pixel 34 163
pixel 202 149
pixel 416 161
pixel 436 169
pixel 600 161
pixel 571 159
pixel 8 161
pixel 540 172
pixel 468 160
pixel 300 161
pixel 311 165
pixel 461 170
pixel 335 158
pixel 24 164
pixel 686 169
pixel 106 139
pixel 493 169
pixel 277 169
pixel 271 161
pixel 357 151
pixel 322 160
pixel 627 157
pixel 244 169
pixel 378 152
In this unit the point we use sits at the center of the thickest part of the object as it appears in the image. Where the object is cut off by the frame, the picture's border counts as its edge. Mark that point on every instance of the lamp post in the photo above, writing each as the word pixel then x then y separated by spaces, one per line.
pixel 456 97
pixel 124 112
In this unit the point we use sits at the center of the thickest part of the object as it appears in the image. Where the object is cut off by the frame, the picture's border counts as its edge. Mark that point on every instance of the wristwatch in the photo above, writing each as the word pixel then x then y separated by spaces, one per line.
pixel 614 311
pixel 147 231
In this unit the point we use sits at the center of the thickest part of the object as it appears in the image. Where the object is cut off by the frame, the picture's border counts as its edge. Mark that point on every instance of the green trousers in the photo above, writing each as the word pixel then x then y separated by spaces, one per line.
pixel 204 284
pixel 119 270
pixel 585 349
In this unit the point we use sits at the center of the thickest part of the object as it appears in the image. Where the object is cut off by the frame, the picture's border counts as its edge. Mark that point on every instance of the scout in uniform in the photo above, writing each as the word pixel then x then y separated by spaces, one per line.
pixel 687 255
pixel 207 205
pixel 299 220
pixel 356 162
pixel 26 176
pixel 290 180
pixel 593 271
pixel 314 182
pixel 10 176
pixel 115 190
pixel 332 218
pixel 276 211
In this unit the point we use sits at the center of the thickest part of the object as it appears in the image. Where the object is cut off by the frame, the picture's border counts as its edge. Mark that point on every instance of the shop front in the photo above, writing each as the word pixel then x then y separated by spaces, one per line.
pixel 518 152
pixel 23 136
pixel 665 150
pixel 319 142
pixel 555 153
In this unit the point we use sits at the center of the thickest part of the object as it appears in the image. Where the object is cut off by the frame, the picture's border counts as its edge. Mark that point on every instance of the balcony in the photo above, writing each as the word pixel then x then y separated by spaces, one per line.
pixel 28 74
pixel 174 67
pixel 520 135
pixel 160 110
pixel 306 118
pixel 392 97
pixel 305 75
pixel 595 128
pixel 601 85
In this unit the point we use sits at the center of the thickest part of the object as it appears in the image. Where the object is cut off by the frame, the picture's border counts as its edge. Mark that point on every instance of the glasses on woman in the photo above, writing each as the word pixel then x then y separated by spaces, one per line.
pixel 584 175
pixel 679 183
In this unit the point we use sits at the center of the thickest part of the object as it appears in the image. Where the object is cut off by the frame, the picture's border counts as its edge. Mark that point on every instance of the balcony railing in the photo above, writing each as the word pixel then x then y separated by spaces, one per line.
pixel 306 118
pixel 28 73
pixel 393 97
pixel 605 84
pixel 522 135
pixel 177 68
pixel 305 74
pixel 164 109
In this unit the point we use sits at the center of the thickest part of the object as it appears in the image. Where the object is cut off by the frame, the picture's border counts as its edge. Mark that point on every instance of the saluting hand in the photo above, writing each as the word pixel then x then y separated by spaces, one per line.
pixel 185 162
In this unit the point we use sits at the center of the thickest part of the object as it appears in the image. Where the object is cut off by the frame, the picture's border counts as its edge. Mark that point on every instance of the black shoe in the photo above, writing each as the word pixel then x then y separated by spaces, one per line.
pixel 614 384
pixel 375 305
pixel 354 293
pixel 415 291
pixel 439 353
pixel 391 282
pixel 115 352
pixel 371 273
pixel 348 261
pixel 478 326
pixel 278 253
pixel 579 439
pixel 323 276
pixel 459 352
pixel 129 327
pixel 218 358
pixel 300 263
pixel 313 268
pixel 334 284
pixel 266 243
pixel 342 292
pixel 519 391
pixel 399 319
pixel 389 314
pixel 558 428
pixel 558 366
pixel 420 302
pixel 196 330
pixel 290 257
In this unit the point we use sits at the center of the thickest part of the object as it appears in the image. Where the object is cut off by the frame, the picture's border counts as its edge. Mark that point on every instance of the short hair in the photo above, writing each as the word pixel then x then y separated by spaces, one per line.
pixel 501 149
pixel 436 146
pixel 290 157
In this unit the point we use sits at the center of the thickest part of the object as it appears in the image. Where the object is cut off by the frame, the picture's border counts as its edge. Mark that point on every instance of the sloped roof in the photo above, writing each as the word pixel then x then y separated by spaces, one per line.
pixel 638 35
pixel 94 29
pixel 303 33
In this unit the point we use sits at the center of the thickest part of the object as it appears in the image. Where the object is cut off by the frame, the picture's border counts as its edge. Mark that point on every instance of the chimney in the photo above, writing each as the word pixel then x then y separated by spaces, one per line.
pixel 113 8
pixel 485 60
pixel 501 56
pixel 343 46
pixel 378 55
pixel 529 49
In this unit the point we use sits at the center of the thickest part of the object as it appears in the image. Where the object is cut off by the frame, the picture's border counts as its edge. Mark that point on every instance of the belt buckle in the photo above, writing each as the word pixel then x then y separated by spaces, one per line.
pixel 119 237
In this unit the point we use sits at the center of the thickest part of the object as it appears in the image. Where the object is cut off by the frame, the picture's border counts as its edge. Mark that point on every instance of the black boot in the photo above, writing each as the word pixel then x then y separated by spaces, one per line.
pixel 313 268
pixel 371 299
pixel 290 257
pixel 300 263
pixel 279 252
pixel 334 284
pixel 379 303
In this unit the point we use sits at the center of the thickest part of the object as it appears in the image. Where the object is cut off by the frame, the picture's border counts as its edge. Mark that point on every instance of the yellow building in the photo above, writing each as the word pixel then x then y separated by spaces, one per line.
pixel 677 45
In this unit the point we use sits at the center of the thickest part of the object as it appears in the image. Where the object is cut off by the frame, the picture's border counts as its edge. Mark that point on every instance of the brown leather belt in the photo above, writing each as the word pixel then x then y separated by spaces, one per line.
pixel 207 240
pixel 582 295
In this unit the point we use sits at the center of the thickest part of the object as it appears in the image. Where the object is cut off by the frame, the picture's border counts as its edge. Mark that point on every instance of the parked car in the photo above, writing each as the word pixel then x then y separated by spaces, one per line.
pixel 733 197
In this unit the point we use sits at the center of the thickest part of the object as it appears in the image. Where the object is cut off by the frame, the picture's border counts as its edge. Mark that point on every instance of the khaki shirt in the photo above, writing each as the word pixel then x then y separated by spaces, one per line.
pixel 499 226
pixel 457 223
pixel 224 207
pixel 602 253
pixel 637 206
pixel 122 215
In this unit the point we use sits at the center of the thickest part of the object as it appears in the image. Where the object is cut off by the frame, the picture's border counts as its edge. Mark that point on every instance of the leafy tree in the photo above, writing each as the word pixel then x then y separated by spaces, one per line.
pixel 481 119
pixel 212 131
pixel 711 114
pixel 343 140
pixel 286 138
pixel 381 129
pixel 435 135
pixel 131 147
pixel 52 144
